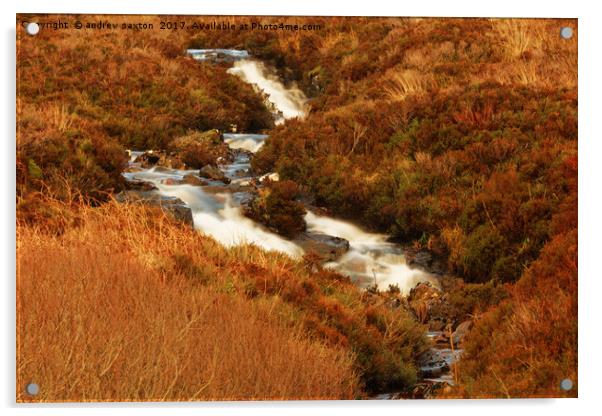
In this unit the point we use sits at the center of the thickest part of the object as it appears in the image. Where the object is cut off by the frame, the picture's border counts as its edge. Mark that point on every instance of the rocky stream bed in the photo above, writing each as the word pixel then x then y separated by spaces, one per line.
pixel 211 197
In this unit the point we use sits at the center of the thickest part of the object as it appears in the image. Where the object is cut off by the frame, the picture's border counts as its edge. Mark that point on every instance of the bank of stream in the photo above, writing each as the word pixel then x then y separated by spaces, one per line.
pixel 214 205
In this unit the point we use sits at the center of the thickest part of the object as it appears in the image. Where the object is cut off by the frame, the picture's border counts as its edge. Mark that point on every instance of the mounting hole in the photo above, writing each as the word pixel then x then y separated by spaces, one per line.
pixel 32 28
pixel 566 384
pixel 32 389
pixel 566 32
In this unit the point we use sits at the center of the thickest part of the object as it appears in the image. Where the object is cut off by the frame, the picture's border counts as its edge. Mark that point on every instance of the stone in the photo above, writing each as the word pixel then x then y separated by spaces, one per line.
pixel 214 173
pixel 140 185
pixel 148 159
pixel 425 260
pixel 461 331
pixel 159 158
pixel 191 179
pixel 329 248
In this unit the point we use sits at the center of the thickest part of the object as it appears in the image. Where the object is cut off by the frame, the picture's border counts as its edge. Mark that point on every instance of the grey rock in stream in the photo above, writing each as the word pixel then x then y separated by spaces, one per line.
pixel 213 173
pixel 160 159
pixel 140 185
pixel 326 246
pixel 461 331
pixel 193 180
pixel 170 205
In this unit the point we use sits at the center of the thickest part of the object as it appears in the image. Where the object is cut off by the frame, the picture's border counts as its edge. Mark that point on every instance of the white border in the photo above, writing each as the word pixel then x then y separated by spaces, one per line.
pixel 590 228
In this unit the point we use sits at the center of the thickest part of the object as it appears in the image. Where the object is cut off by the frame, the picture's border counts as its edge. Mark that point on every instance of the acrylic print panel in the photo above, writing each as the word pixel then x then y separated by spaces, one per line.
pixel 269 208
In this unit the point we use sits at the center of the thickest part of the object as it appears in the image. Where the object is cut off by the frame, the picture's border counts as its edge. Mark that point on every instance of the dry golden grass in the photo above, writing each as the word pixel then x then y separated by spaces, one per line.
pixel 102 316
pixel 535 54
pixel 404 83
pixel 517 36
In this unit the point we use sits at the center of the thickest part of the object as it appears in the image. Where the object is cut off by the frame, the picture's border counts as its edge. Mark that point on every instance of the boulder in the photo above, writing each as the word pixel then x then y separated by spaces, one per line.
pixel 191 179
pixel 214 173
pixel 140 185
pixel 329 248
pixel 169 181
pixel 171 205
pixel 461 331
pixel 148 159
pixel 242 173
pixel 425 260
pixel 422 258
pixel 433 364
pixel 160 158
pixel 132 168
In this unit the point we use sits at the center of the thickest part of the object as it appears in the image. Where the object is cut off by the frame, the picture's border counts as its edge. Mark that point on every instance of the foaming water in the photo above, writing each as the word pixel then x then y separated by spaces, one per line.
pixel 218 55
pixel 134 154
pixel 249 142
pixel 216 214
pixel 371 259
pixel 289 101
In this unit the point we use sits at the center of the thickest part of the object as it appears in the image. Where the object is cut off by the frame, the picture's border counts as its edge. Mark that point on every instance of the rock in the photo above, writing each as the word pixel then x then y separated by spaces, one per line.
pixel 133 168
pixel 169 181
pixel 171 205
pixel 214 173
pixel 422 258
pixel 425 260
pixel 148 159
pixel 159 158
pixel 432 364
pixel 191 179
pixel 242 173
pixel 217 189
pixel 326 246
pixel 461 331
pixel 180 212
pixel 140 185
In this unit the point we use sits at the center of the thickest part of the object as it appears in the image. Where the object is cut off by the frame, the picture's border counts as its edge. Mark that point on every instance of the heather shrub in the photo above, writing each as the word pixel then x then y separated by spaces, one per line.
pixel 276 207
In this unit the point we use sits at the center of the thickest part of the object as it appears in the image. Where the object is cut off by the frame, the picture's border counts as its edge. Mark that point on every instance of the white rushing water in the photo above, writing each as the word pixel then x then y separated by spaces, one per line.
pixel 370 260
pixel 249 142
pixel 218 54
pixel 215 213
pixel 290 102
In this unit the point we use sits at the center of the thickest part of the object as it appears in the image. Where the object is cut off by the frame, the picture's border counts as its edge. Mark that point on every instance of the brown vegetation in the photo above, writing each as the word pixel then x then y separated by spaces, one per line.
pixel 125 304
pixel 457 135
pixel 276 207
pixel 84 96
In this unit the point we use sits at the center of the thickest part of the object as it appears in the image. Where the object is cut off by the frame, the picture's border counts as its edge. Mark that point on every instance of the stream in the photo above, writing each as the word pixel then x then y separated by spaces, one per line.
pixel 216 207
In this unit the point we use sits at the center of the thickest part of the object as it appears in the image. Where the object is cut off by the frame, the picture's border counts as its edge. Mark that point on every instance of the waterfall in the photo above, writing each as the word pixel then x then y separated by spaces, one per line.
pixel 371 259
